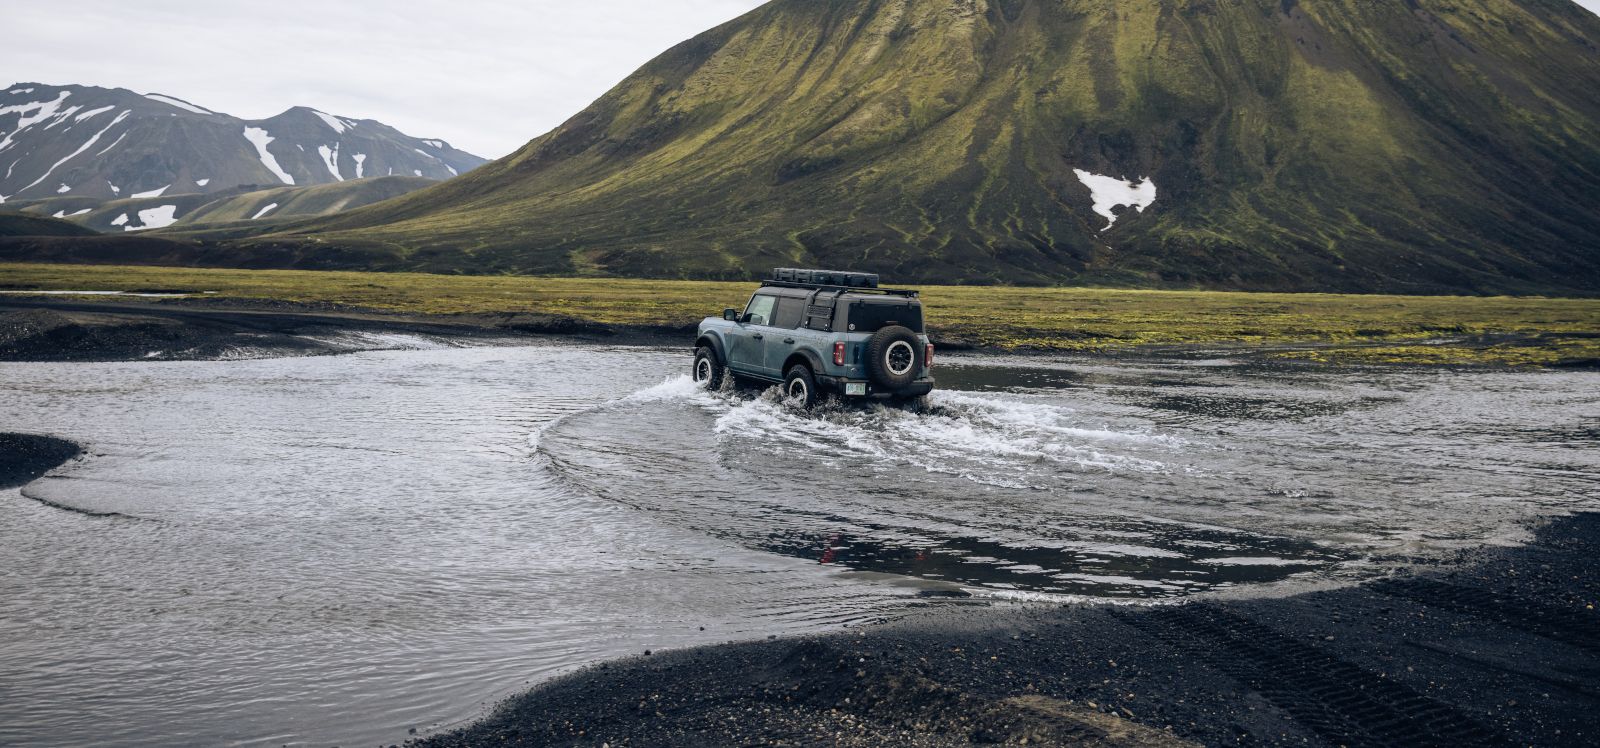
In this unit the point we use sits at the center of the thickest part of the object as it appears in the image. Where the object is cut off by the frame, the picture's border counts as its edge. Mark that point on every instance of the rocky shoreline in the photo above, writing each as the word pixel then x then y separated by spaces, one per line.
pixel 26 457
pixel 1501 648
pixel 71 330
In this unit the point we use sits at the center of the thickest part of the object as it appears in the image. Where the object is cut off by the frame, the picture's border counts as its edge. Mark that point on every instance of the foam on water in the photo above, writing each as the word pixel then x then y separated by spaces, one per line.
pixel 982 439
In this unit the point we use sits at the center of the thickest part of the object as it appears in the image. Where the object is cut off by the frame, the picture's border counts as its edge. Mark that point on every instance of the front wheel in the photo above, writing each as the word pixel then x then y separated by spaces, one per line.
pixel 799 387
pixel 708 371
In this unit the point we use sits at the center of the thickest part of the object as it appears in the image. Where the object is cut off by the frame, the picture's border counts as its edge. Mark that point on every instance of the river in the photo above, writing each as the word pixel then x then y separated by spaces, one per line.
pixel 339 549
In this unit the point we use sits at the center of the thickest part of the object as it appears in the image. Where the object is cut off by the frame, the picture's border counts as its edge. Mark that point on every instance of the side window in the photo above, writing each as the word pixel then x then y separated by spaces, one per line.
pixel 787 315
pixel 760 310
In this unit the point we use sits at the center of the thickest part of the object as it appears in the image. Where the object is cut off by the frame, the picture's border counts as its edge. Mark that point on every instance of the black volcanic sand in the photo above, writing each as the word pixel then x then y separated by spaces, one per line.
pixel 1501 649
pixel 25 457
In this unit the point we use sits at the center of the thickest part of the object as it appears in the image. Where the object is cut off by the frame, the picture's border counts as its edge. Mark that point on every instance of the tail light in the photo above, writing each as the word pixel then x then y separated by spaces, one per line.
pixel 927 358
pixel 838 354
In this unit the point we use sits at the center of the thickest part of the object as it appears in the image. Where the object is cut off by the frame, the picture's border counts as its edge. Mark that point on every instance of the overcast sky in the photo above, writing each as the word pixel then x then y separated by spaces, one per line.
pixel 486 75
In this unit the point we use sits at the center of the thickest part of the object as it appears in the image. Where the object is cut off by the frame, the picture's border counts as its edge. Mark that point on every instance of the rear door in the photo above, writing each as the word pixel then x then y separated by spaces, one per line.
pixel 782 341
pixel 748 347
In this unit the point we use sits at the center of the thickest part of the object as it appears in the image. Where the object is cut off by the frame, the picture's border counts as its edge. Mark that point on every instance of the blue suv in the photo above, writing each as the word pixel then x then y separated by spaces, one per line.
pixel 816 331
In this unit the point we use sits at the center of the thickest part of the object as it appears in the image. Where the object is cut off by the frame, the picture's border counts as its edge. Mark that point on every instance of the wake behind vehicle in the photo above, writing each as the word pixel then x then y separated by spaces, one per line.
pixel 818 331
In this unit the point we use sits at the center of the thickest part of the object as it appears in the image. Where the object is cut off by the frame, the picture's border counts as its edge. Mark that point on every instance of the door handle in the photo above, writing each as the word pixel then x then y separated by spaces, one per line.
pixel 757 336
pixel 788 341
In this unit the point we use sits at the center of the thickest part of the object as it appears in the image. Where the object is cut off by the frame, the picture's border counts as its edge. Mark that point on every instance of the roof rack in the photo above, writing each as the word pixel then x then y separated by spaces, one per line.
pixel 906 292
pixel 832 280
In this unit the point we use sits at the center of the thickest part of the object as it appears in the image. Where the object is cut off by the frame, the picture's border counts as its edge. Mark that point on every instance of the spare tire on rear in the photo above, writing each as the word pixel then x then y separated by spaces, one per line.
pixel 894 356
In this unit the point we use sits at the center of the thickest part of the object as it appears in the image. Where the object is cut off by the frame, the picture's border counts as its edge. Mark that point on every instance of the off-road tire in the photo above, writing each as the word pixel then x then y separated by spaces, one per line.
pixel 800 387
pixel 708 372
pixel 894 357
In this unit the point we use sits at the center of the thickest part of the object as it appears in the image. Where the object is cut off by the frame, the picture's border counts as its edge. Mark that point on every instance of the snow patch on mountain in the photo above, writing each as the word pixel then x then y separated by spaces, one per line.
pixel 92 140
pixel 62 116
pixel 44 110
pixel 435 143
pixel 122 220
pixel 153 193
pixel 259 138
pixel 65 214
pixel 179 103
pixel 203 182
pixel 339 124
pixel 114 143
pixel 156 218
pixel 93 112
pixel 1110 192
pixel 63 189
pixel 330 159
pixel 361 165
pixel 263 211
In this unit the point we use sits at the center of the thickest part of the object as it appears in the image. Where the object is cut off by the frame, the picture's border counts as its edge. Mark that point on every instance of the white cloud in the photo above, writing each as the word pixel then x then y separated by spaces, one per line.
pixel 486 75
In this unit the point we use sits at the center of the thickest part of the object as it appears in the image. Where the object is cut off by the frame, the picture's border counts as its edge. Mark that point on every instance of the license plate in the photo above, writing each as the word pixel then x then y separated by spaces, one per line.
pixel 855 388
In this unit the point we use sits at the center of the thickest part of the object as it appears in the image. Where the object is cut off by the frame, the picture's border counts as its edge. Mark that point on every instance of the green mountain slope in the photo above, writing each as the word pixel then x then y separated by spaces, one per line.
pixel 1423 145
pixel 299 202
pixel 22 224
pixel 246 210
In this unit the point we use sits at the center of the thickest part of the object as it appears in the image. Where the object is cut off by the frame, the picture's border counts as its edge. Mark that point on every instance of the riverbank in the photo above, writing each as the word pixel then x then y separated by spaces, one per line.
pixel 72 329
pixel 1498 331
pixel 1500 649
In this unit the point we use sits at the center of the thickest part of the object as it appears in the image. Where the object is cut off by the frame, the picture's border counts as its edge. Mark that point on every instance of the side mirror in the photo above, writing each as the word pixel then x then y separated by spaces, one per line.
pixel 731 315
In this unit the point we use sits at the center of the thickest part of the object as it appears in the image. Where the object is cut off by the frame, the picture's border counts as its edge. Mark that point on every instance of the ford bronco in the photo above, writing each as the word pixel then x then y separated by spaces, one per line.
pixel 816 331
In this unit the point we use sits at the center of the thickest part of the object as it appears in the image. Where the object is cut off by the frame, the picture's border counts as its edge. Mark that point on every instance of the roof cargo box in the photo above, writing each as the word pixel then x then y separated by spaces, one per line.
pixel 825 278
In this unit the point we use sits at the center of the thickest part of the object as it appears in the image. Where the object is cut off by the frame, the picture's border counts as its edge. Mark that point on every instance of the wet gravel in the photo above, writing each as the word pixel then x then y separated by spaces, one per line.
pixel 25 457
pixel 1500 649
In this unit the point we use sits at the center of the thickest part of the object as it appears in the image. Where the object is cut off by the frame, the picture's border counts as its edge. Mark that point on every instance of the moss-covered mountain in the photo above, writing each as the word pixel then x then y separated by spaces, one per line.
pixel 23 224
pixel 1413 145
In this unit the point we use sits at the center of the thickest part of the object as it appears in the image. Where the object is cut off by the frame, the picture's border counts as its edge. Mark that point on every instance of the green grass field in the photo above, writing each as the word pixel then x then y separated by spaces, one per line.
pixel 1333 327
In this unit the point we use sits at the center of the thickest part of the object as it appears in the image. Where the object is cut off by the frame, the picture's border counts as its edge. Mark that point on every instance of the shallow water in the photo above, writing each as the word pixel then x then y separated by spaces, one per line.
pixel 336 549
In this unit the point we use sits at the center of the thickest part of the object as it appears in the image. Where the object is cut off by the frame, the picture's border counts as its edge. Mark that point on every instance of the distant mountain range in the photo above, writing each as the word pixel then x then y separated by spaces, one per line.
pixel 112 144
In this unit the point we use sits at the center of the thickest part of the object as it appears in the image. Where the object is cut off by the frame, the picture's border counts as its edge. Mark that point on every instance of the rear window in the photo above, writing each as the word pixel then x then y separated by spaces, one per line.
pixel 872 316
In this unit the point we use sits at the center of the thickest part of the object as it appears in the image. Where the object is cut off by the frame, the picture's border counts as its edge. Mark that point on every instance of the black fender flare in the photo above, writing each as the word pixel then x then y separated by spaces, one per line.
pixel 713 341
pixel 811 359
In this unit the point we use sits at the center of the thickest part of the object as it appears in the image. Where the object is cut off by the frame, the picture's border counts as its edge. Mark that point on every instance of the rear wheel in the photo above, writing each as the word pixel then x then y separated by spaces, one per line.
pixel 708 372
pixel 799 387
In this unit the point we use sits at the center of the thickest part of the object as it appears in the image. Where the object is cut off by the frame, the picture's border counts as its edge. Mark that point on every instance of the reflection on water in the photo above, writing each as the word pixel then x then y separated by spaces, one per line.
pixel 335 550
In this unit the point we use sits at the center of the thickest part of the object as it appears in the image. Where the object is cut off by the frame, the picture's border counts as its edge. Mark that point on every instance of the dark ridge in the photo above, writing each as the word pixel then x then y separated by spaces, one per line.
pixel 26 457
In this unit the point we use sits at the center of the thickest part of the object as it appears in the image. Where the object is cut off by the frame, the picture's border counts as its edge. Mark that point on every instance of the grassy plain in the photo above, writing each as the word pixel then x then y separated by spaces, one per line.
pixel 1331 327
